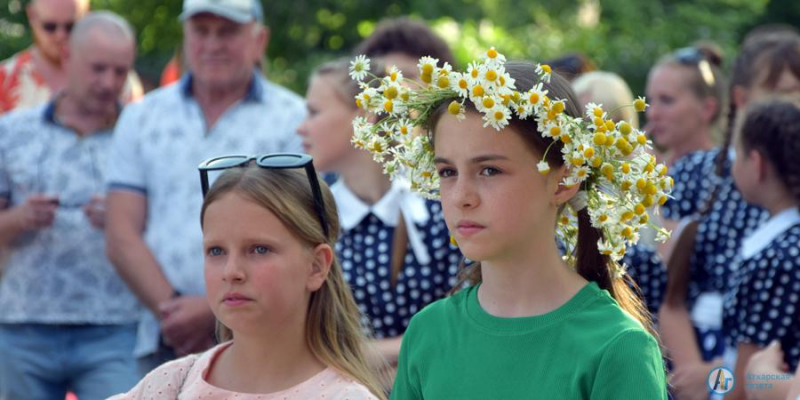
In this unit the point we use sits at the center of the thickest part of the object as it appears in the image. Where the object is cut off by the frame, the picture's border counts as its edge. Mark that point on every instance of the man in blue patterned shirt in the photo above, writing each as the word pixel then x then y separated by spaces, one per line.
pixel 67 320
pixel 223 106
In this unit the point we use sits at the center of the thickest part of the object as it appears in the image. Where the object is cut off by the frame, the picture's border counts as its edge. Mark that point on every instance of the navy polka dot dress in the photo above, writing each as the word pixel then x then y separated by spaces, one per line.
pixel 764 305
pixel 719 235
pixel 646 269
pixel 365 253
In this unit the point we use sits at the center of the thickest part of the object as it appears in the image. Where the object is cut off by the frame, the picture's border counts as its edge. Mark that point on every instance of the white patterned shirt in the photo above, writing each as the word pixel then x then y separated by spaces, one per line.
pixel 60 274
pixel 158 145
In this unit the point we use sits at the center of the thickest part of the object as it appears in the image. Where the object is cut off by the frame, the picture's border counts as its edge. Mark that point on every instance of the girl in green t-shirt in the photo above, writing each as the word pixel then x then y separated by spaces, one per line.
pixel 517 166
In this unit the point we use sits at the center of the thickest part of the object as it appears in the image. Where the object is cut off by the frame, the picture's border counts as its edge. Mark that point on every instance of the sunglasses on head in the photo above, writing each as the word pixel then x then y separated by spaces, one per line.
pixel 693 56
pixel 52 27
pixel 270 161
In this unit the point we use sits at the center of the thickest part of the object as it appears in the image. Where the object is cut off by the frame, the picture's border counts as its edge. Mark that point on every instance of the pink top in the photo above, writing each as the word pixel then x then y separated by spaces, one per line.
pixel 167 382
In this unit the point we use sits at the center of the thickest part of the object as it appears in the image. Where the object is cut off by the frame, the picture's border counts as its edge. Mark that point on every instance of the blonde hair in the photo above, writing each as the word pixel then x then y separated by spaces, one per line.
pixel 610 90
pixel 333 331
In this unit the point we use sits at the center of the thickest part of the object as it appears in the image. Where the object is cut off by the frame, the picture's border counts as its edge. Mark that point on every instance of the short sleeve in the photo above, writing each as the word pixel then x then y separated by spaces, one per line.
pixel 406 384
pixel 125 169
pixel 631 369
pixel 767 300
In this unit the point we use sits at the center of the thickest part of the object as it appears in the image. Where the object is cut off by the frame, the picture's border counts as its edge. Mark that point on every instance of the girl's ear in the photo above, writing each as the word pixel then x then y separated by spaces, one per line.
pixel 763 168
pixel 561 192
pixel 322 259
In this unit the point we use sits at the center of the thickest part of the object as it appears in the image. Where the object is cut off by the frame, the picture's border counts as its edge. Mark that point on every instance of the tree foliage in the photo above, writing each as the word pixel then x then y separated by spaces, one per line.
pixel 618 35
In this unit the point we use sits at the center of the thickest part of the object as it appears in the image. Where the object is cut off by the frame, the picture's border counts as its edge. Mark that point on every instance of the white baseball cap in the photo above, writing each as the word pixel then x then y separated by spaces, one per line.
pixel 239 11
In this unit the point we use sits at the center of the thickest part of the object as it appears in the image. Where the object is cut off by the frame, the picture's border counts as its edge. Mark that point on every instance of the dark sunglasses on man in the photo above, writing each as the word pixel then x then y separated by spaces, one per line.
pixel 694 56
pixel 52 27
pixel 270 161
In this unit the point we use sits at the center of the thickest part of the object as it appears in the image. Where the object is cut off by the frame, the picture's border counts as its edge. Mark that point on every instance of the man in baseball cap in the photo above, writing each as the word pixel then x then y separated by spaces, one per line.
pixel 223 105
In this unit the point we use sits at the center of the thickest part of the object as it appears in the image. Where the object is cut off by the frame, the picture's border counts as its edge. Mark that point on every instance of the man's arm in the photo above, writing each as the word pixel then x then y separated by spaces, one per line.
pixel 126 214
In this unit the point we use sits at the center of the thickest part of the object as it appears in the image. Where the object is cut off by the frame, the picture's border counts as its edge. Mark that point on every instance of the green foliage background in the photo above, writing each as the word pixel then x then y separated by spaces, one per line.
pixel 625 36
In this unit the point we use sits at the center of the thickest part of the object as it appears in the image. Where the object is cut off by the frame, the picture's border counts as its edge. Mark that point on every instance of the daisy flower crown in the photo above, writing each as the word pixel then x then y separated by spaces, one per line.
pixel 620 181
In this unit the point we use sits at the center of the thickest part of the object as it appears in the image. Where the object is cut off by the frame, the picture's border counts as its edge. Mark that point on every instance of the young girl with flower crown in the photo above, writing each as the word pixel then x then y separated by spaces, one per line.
pixel 516 165
pixel 764 304
pixel 288 324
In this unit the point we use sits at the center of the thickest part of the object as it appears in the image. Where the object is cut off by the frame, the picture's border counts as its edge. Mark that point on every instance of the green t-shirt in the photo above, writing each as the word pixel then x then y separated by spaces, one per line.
pixel 586 349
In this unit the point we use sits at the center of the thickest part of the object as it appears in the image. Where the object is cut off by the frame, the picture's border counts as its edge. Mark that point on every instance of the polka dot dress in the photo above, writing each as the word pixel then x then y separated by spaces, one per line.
pixel 646 269
pixel 765 303
pixel 720 232
pixel 365 253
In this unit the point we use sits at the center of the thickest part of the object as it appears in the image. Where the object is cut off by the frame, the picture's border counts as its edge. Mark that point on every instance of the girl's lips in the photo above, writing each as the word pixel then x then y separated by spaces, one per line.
pixel 235 302
pixel 469 228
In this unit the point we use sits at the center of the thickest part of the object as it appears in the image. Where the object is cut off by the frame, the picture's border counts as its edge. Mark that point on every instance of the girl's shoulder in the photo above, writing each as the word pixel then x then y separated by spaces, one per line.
pixel 333 385
pixel 167 380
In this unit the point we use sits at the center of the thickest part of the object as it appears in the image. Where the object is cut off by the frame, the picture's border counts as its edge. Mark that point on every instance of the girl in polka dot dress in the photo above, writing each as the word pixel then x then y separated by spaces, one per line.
pixel 691 326
pixel 286 319
pixel 764 304
pixel 394 248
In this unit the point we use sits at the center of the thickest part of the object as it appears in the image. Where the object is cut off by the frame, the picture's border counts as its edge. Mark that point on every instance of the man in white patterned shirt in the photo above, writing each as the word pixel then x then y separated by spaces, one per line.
pixel 67 320
pixel 222 106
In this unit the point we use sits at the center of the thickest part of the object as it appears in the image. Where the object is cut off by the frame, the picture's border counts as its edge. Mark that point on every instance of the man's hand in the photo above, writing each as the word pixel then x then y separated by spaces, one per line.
pixel 187 324
pixel 37 212
pixel 689 382
pixel 95 211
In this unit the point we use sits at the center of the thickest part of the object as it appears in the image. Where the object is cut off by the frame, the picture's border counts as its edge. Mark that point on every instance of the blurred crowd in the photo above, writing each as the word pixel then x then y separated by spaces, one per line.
pixel 102 277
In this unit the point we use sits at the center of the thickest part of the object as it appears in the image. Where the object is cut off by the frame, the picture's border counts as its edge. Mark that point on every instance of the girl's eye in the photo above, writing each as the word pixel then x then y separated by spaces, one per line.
pixel 215 251
pixel 446 172
pixel 261 249
pixel 489 171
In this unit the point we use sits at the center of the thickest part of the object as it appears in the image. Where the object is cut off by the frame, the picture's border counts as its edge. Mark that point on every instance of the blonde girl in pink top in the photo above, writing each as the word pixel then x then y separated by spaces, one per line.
pixel 286 319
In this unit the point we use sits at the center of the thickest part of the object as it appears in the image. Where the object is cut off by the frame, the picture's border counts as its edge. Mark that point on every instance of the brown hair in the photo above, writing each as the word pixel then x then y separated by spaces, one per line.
pixel 348 89
pixel 333 330
pixel 589 262
pixel 771 51
pixel 772 128
pixel 406 36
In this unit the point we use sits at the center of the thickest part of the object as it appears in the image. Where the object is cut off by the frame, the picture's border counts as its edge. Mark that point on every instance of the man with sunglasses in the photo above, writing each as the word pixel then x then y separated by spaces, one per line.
pixel 67 320
pixel 32 76
pixel 222 106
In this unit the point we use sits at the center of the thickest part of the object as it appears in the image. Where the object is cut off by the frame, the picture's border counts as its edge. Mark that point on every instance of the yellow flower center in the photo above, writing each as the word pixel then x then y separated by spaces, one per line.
pixel 546 68
pixel 534 98
pixel 390 92
pixel 454 108
pixel 462 83
pixel 491 75
pixel 443 82
pixel 427 69
pixel 388 106
pixel 492 53
pixel 639 105
pixel 625 128
pixel 477 91
pixel 488 102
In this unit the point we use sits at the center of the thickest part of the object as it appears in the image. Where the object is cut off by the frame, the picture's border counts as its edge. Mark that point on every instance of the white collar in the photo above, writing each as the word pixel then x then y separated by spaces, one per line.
pixel 768 231
pixel 399 197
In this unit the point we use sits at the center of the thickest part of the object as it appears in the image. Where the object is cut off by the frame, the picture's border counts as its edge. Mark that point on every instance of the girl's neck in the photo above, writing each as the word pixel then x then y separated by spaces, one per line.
pixel 529 282
pixel 265 363
pixel 700 141
pixel 365 178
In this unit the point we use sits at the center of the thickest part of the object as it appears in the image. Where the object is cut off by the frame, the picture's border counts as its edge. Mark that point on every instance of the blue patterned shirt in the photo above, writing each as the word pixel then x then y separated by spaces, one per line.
pixel 58 275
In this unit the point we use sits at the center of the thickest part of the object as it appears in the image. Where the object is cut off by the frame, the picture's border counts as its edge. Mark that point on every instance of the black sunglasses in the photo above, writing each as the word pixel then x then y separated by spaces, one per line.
pixel 51 27
pixel 270 161
pixel 693 56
